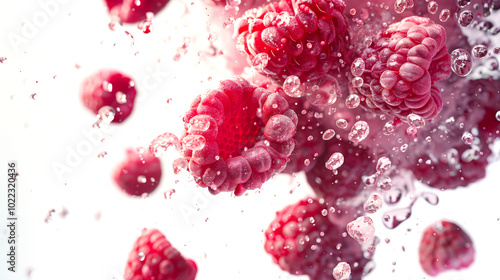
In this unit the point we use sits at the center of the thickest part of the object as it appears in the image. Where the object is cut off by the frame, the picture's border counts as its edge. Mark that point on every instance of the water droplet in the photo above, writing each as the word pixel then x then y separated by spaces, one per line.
pixel 141 179
pixel 373 204
pixel 260 61
pixel 179 164
pixel 432 7
pixel 444 15
pixel 362 229
pixel 394 218
pixel 359 131
pixel 383 164
pixel 105 115
pixel 324 212
pixel 358 67
pixel 479 51
pixel 121 97
pixel 307 162
pixel 329 133
pixel 415 120
pixel 160 144
pixel 342 271
pixel 463 3
pixel 291 86
pixel 388 128
pixel 341 123
pixel 468 138
pixel 369 180
pixel 352 101
pixel 194 142
pixel 323 94
pixel 357 82
pixel 465 18
pixel 335 161
pixel 403 148
pixel 497 116
pixel 431 198
pixel 384 183
pixel 141 256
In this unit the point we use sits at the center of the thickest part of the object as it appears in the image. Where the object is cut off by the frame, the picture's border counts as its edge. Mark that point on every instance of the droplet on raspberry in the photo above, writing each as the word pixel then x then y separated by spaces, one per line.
pixel 358 67
pixel 194 142
pixel 259 62
pixel 342 271
pixel 362 229
pixel 335 161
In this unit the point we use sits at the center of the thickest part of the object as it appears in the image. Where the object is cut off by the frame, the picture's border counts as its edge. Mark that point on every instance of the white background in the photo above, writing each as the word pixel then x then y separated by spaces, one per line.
pixel 223 234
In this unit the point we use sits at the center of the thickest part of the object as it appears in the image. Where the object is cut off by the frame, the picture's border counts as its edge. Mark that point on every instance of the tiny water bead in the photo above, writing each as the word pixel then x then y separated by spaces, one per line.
pixel 388 128
pixel 357 82
pixel 461 62
pixel 335 161
pixel 384 183
pixel 400 6
pixel 329 133
pixel 383 165
pixel 141 179
pixel 432 7
pixel 463 3
pixel 373 204
pixel 358 67
pixel 141 256
pixel 105 115
pixel 468 138
pixel 362 229
pixel 479 51
pixel 194 142
pixel 160 144
pixel 341 123
pixel 444 15
pixel 259 62
pixel 291 86
pixel 497 116
pixel 465 18
pixel 352 101
pixel 342 271
pixel 121 97
pixel 416 120
pixel 359 131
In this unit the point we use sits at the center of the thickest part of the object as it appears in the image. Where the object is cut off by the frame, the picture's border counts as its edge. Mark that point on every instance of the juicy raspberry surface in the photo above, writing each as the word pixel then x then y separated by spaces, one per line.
pixel 154 258
pixel 248 139
pixel 305 38
pixel 139 173
pixel 401 67
pixel 109 88
pixel 445 246
pixel 302 241
pixel 130 11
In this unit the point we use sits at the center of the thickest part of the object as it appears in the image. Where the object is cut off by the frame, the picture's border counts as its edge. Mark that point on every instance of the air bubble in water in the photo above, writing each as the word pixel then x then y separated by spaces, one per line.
pixel 479 51
pixel 373 204
pixel 369 180
pixel 121 97
pixel 359 131
pixel 291 86
pixel 497 116
pixel 463 3
pixel 468 138
pixel 260 61
pixel 416 120
pixel 432 7
pixel 388 128
pixel 141 179
pixel 465 18
pixel 358 67
pixel 384 183
pixel 105 115
pixel 444 15
pixel 461 62
pixel 383 164
pixel 362 229
pixel 400 6
pixel 335 161
pixel 352 101
pixel 194 142
pixel 341 123
pixel 342 271
pixel 329 133
pixel 160 144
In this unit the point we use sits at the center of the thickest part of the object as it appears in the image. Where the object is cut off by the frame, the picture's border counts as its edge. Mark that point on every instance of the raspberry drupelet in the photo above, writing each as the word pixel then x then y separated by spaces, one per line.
pixel 109 88
pixel 248 134
pixel 303 241
pixel 131 11
pixel 305 38
pixel 401 67
pixel 445 246
pixel 154 258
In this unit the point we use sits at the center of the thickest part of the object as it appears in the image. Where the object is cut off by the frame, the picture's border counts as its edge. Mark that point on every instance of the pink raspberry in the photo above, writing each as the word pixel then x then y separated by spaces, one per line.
pixel 130 11
pixel 303 241
pixel 109 88
pixel 445 246
pixel 401 67
pixel 305 38
pixel 247 133
pixel 154 258
pixel 139 174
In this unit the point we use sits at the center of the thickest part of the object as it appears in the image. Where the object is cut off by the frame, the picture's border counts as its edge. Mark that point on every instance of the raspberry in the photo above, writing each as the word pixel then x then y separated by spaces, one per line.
pixel 402 66
pixel 445 246
pixel 154 258
pixel 345 182
pixel 109 88
pixel 130 11
pixel 139 174
pixel 248 132
pixel 302 241
pixel 305 38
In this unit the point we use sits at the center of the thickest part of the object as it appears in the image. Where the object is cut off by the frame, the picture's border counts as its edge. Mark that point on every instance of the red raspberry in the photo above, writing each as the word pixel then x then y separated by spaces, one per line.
pixel 139 174
pixel 153 258
pixel 130 11
pixel 305 38
pixel 445 246
pixel 302 241
pixel 109 88
pixel 402 66
pixel 248 132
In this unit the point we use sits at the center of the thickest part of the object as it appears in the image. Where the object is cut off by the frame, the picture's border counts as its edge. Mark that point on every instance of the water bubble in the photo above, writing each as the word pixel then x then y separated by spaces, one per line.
pixel 452 156
pixel 291 86
pixel 465 18
pixel 373 204
pixel 342 271
pixel 105 115
pixel 324 212
pixel 335 161
pixel 352 101
pixel 394 218
pixel 194 142
pixel 369 180
pixel 415 120
pixel 359 131
pixel 307 162
pixel 384 183
pixel 432 7
pixel 463 3
pixel 412 131
pixel 141 256
pixel 179 164
pixel 461 62
pixel 468 138
pixel 323 94
pixel 362 229
pixel 141 179
pixel 329 133
pixel 497 115
pixel 383 164
pixel 160 144
pixel 341 123
pixel 403 148
pixel 431 198
pixel 260 61
pixel 358 67
pixel 444 15
pixel 199 124
pixel 479 51
pixel 357 82
pixel 388 128
pixel 400 6
pixel 121 97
